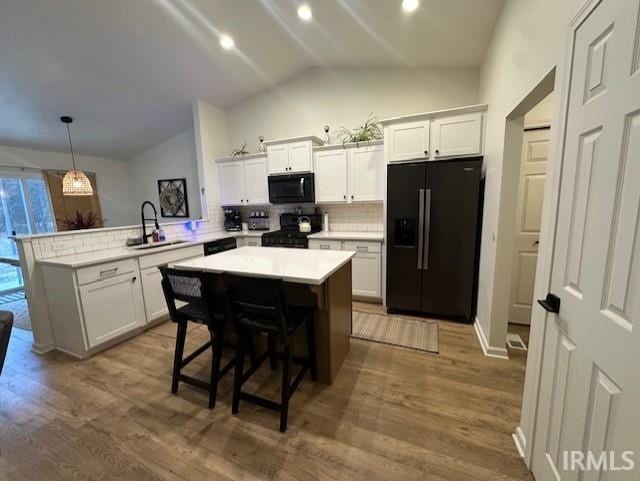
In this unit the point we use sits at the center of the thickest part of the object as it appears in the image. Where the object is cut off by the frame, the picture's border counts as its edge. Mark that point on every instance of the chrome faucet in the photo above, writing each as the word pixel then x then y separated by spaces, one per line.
pixel 146 236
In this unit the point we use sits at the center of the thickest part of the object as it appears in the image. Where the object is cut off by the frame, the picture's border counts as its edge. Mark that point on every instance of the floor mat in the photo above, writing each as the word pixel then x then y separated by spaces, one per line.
pixel 421 335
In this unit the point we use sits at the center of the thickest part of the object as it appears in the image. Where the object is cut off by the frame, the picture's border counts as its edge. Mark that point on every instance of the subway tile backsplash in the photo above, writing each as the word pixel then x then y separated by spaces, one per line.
pixel 343 218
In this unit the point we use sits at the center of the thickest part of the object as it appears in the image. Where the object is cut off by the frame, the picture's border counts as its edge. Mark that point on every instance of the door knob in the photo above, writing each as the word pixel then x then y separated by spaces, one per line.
pixel 551 303
pixel 536 243
pixel 437 151
pixel 426 152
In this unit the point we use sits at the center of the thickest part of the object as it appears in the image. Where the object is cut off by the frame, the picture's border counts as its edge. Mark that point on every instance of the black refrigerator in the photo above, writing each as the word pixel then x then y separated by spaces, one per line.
pixel 433 218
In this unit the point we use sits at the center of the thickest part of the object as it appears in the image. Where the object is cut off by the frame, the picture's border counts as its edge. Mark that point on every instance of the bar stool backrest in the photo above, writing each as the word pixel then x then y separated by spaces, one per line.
pixel 259 298
pixel 6 323
pixel 193 287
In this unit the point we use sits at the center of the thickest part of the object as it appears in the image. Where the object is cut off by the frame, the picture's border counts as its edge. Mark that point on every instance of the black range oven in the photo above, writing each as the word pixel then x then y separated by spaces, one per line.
pixel 291 189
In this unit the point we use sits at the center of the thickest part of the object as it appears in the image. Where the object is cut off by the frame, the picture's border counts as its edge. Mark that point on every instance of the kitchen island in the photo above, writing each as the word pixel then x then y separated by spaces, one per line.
pixel 325 274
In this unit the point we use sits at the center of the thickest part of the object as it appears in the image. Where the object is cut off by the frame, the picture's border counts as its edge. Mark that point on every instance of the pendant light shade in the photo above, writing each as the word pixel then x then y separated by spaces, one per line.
pixel 75 182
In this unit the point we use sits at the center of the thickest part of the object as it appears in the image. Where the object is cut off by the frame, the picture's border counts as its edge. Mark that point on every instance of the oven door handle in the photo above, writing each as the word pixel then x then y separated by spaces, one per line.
pixel 302 187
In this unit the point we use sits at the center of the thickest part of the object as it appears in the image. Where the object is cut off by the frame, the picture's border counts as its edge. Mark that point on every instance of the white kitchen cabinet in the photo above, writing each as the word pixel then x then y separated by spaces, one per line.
pixel 408 140
pixel 300 157
pixel 243 181
pixel 366 266
pixel 278 158
pixel 290 156
pixel 350 174
pixel 251 241
pixel 331 174
pixel 255 181
pixel 231 176
pixel 366 173
pixel 111 307
pixel 366 275
pixel 458 135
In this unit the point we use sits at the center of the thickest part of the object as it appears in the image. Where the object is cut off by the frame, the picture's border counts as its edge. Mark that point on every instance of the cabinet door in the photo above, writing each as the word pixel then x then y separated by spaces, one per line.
pixel 366 173
pixel 278 158
pixel 300 157
pixel 231 176
pixel 256 183
pixel 458 135
pixel 331 175
pixel 241 241
pixel 155 305
pixel 366 277
pixel 105 319
pixel 408 141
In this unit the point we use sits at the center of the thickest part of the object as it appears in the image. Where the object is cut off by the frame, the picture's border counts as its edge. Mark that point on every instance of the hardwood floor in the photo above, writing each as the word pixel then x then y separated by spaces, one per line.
pixel 391 414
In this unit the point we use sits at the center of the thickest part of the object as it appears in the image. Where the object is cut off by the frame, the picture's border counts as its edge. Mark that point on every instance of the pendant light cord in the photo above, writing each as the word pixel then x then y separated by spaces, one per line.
pixel 73 159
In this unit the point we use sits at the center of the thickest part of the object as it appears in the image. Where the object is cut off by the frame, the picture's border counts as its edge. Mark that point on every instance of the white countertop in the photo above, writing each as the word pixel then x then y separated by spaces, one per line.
pixel 302 266
pixel 97 257
pixel 363 236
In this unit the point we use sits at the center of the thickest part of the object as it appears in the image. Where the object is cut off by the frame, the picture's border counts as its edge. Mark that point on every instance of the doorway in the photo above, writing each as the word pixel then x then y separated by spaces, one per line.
pixel 25 208
pixel 530 197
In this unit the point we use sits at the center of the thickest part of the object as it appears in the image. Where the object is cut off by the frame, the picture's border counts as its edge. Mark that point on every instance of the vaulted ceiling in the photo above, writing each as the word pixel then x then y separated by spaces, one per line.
pixel 128 70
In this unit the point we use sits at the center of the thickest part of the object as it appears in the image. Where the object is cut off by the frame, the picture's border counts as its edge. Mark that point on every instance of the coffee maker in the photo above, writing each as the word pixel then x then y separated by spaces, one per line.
pixel 232 220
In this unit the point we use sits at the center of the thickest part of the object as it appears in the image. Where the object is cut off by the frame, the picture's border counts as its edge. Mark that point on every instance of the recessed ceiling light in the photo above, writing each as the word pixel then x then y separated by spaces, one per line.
pixel 227 42
pixel 410 5
pixel 304 12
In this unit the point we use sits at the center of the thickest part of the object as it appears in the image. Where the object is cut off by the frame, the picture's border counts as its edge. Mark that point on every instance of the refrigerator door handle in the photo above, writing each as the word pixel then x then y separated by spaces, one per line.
pixel 420 226
pixel 427 229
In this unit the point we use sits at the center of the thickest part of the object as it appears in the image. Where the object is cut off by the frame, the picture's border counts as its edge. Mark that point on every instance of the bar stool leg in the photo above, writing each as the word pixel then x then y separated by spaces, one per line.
pixel 286 383
pixel 179 352
pixel 237 378
pixel 271 345
pixel 217 341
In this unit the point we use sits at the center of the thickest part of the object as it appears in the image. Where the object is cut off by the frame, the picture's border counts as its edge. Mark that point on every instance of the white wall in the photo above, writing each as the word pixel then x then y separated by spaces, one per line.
pixel 305 103
pixel 111 176
pixel 211 135
pixel 172 159
pixel 541 113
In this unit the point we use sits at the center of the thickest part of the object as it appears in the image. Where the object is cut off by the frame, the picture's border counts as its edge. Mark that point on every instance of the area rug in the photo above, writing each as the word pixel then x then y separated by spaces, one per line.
pixel 411 333
pixel 21 318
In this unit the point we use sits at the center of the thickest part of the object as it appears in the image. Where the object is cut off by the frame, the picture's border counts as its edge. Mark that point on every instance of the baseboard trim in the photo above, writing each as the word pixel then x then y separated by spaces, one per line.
pixel 520 441
pixel 489 351
pixel 42 348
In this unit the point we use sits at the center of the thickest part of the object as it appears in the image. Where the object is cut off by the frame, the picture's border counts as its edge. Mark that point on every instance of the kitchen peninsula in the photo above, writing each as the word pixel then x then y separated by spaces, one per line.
pixel 327 274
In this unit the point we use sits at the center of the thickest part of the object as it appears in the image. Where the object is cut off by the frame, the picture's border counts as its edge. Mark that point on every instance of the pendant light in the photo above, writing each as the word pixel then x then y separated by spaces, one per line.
pixel 75 182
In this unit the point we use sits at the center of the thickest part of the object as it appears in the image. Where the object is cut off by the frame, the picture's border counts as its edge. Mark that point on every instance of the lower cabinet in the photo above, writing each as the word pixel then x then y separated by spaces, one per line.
pixel 251 241
pixel 366 266
pixel 111 307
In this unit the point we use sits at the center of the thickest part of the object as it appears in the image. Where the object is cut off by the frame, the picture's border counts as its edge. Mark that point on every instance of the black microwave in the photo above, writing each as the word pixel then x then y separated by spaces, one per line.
pixel 291 189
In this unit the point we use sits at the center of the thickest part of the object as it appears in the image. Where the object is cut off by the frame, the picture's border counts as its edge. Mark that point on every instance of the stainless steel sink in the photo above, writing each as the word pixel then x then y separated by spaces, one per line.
pixel 157 245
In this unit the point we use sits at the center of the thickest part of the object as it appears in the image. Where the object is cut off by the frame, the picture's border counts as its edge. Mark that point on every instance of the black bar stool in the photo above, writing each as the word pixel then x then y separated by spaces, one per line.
pixel 6 323
pixel 203 306
pixel 259 306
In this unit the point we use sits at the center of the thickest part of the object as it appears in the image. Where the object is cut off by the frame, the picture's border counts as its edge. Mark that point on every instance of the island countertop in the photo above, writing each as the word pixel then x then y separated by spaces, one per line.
pixel 302 266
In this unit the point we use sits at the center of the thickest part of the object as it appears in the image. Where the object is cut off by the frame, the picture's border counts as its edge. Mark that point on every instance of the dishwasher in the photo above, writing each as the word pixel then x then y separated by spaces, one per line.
pixel 220 245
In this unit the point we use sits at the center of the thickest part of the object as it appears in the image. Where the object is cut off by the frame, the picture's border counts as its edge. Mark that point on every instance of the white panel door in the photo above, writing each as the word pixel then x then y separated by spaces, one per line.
pixel 105 319
pixel 408 141
pixel 231 177
pixel 366 173
pixel 300 157
pixel 590 386
pixel 533 167
pixel 256 189
pixel 457 135
pixel 331 175
pixel 278 158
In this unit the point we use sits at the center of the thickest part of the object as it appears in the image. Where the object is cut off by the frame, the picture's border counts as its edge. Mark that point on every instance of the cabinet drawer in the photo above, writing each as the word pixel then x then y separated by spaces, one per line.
pixel 173 255
pixel 363 246
pixel 333 245
pixel 105 271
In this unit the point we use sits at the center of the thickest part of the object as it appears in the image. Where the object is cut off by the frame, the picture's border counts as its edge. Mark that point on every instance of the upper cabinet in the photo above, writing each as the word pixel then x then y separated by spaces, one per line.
pixel 457 135
pixel 350 173
pixel 408 140
pixel 435 135
pixel 243 181
pixel 289 156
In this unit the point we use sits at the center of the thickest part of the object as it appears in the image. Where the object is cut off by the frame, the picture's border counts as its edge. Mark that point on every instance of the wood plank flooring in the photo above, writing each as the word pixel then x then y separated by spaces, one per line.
pixel 392 414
